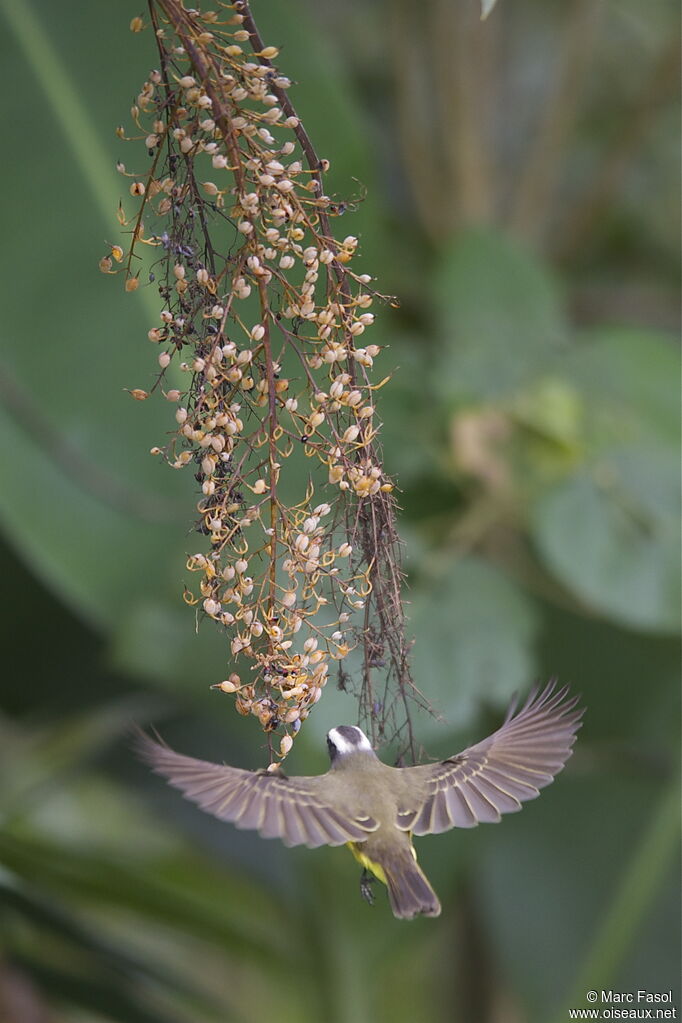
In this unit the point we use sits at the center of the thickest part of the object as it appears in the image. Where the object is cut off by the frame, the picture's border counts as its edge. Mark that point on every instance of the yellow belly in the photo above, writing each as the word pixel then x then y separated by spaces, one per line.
pixel 364 860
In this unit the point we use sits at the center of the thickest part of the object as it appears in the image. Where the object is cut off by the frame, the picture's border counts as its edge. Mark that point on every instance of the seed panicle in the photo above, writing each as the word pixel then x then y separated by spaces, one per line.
pixel 261 332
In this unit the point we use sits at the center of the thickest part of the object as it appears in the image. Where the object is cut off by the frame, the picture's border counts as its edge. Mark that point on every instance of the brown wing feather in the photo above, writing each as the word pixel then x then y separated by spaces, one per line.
pixel 293 809
pixel 498 774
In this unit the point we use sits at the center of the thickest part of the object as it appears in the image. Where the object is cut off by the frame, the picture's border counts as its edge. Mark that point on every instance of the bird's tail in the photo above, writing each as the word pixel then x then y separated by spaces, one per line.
pixel 409 892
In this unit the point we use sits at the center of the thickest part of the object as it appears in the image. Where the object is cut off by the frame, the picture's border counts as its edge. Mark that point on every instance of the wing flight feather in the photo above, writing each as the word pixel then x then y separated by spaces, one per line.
pixel 498 774
pixel 292 809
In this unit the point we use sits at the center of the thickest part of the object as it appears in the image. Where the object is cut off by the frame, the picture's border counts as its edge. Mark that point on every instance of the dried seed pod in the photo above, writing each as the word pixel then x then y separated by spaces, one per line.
pixel 272 570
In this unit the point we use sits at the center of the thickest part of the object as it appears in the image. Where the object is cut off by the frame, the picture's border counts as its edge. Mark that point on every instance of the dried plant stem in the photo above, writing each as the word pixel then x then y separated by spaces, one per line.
pixel 296 585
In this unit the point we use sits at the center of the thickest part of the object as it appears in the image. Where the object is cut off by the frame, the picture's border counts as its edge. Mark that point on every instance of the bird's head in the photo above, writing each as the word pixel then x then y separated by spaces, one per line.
pixel 346 740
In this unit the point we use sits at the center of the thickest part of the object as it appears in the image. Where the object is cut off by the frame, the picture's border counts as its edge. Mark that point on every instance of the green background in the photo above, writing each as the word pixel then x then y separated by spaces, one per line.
pixel 521 179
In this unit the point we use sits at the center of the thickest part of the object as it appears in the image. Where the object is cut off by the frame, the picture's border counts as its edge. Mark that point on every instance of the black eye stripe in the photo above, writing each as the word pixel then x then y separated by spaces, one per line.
pixel 350 733
pixel 344 739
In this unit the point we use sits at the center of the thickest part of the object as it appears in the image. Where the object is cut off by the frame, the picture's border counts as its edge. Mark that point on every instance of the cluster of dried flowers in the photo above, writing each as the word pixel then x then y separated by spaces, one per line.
pixel 264 317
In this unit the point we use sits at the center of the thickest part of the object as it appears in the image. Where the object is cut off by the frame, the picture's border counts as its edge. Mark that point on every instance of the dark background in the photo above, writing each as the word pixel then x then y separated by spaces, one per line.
pixel 522 201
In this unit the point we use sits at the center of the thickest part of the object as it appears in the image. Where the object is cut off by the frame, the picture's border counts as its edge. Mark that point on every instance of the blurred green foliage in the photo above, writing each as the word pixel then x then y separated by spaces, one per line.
pixel 522 197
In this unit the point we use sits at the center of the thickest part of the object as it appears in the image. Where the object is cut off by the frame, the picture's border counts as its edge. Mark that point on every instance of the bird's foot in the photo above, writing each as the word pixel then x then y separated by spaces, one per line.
pixel 367 879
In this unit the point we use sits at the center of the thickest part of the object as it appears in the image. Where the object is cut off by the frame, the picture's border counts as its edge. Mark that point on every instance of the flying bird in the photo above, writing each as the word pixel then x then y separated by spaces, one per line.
pixel 375 809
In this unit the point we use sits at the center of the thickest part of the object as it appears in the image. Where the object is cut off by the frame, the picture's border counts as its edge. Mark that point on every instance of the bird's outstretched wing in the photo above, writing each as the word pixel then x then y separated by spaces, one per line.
pixel 498 774
pixel 293 809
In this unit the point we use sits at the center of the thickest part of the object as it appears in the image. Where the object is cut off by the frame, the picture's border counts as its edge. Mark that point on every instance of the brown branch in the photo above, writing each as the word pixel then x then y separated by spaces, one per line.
pixel 272 442
pixel 463 66
pixel 314 162
pixel 534 194
pixel 182 25
pixel 425 173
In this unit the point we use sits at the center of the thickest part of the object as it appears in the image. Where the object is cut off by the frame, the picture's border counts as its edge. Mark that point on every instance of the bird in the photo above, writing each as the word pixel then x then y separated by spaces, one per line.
pixel 376 809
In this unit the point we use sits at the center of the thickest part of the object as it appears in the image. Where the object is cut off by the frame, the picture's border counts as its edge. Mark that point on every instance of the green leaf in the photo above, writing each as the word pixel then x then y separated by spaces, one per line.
pixel 552 409
pixel 54 922
pixel 476 634
pixel 34 765
pixel 82 501
pixel 610 535
pixel 654 855
pixel 160 641
pixel 547 858
pixel 101 996
pixel 629 380
pixel 179 892
pixel 499 316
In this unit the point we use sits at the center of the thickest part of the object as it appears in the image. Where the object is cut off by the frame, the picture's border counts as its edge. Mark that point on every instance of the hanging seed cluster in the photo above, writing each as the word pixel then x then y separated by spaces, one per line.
pixel 262 352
